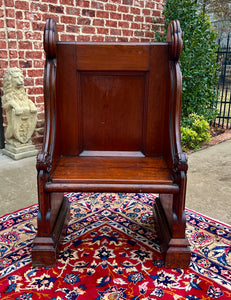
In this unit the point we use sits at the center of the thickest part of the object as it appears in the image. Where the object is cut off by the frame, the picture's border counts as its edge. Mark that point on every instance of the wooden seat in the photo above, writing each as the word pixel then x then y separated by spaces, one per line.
pixel 112 124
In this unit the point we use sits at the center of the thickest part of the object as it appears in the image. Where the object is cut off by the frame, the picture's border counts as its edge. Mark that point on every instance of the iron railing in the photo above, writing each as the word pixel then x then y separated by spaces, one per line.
pixel 224 85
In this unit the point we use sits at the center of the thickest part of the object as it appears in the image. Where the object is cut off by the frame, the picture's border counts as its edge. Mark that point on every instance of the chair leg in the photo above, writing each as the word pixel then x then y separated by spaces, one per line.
pixel 171 231
pixel 52 226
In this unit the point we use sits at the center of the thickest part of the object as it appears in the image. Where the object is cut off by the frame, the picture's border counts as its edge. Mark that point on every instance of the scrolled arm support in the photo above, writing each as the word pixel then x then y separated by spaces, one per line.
pixel 174 38
pixel 45 157
pixel 181 162
pixel 43 162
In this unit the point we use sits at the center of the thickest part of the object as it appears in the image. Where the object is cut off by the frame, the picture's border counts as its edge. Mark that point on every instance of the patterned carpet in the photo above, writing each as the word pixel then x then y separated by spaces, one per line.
pixel 111 252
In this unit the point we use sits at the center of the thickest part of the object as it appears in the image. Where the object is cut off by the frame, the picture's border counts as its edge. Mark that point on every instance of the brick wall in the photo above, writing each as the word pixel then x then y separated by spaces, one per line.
pixel 21 33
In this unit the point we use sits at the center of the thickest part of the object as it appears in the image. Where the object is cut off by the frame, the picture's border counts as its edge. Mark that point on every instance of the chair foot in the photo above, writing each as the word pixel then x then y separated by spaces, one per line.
pixel 45 249
pixel 178 254
pixel 44 252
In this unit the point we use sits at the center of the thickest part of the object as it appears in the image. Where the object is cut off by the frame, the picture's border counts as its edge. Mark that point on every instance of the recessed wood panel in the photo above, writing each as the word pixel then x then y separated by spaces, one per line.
pixel 112 106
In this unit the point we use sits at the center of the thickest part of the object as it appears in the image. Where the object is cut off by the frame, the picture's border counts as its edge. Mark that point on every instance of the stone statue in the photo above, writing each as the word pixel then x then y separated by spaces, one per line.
pixel 21 113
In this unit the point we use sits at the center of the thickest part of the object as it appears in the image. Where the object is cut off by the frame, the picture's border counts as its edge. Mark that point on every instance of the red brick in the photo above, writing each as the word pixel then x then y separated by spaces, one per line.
pixel 68 20
pixel 150 4
pixel 29 81
pixel 110 39
pixel 134 40
pixel 22 25
pixel 135 10
pixel 72 11
pixel 139 19
pixel 11 35
pixel 19 35
pixel 23 5
pixel 128 17
pixel 122 39
pixel 38 7
pixel 13 54
pixel 39 99
pixel 35 91
pixel 3 54
pixel 88 30
pixel 67 38
pixel 124 9
pixel 14 64
pixel 97 39
pixel 34 54
pixel 149 34
pixel 102 14
pixel 146 12
pixel 82 3
pixel 115 16
pixel 25 64
pixel 138 33
pixel 12 44
pixel 52 1
pixel 110 23
pixel 156 13
pixel 9 3
pixel 10 13
pixel 25 45
pixel 38 63
pixel 115 31
pixel 67 2
pixel 56 9
pixel 83 38
pixel 10 23
pixel 127 2
pixel 39 81
pixel 110 7
pixel 2 35
pixel 73 28
pixel 38 45
pixel 83 21
pixel 127 32
pixel 19 15
pixel 88 12
pixel 148 20
pixel 135 26
pixel 98 22
pixel 35 73
pixel 102 30
pixel 123 24
pixel 97 5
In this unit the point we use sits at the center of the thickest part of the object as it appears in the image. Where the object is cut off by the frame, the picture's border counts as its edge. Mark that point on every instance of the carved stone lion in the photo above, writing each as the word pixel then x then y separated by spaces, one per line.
pixel 21 112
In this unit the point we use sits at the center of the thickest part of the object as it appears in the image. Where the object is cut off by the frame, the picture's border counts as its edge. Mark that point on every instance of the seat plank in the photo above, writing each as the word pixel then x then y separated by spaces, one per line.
pixel 140 170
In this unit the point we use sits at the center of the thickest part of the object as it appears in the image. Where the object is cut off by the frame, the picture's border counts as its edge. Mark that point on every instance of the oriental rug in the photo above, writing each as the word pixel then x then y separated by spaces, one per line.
pixel 111 252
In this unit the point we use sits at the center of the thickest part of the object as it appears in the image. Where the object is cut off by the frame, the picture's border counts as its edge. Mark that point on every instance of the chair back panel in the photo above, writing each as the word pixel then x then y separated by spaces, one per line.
pixel 112 97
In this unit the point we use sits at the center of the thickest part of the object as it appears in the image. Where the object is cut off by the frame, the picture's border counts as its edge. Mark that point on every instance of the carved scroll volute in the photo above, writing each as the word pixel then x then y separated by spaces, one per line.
pixel 174 38
pixel 181 162
pixel 50 39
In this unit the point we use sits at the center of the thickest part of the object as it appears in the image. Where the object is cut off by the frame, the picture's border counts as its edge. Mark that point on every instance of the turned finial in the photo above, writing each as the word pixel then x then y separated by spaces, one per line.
pixel 174 38
pixel 50 38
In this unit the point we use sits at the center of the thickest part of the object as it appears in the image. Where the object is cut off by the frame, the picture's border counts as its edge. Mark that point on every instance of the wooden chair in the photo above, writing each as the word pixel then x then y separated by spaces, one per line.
pixel 112 124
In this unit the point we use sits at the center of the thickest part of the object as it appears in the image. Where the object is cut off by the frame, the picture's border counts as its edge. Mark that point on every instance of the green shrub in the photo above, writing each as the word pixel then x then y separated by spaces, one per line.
pixel 194 132
pixel 198 58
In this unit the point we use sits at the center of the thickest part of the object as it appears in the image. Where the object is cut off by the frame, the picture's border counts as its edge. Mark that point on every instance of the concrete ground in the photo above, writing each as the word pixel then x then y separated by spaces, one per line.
pixel 208 190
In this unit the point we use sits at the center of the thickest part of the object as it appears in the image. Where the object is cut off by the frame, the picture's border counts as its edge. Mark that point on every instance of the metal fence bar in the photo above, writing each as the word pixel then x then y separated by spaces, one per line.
pixel 224 85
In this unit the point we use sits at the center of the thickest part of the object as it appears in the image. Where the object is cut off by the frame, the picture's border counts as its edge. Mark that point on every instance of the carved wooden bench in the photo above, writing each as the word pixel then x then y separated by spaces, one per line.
pixel 112 124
